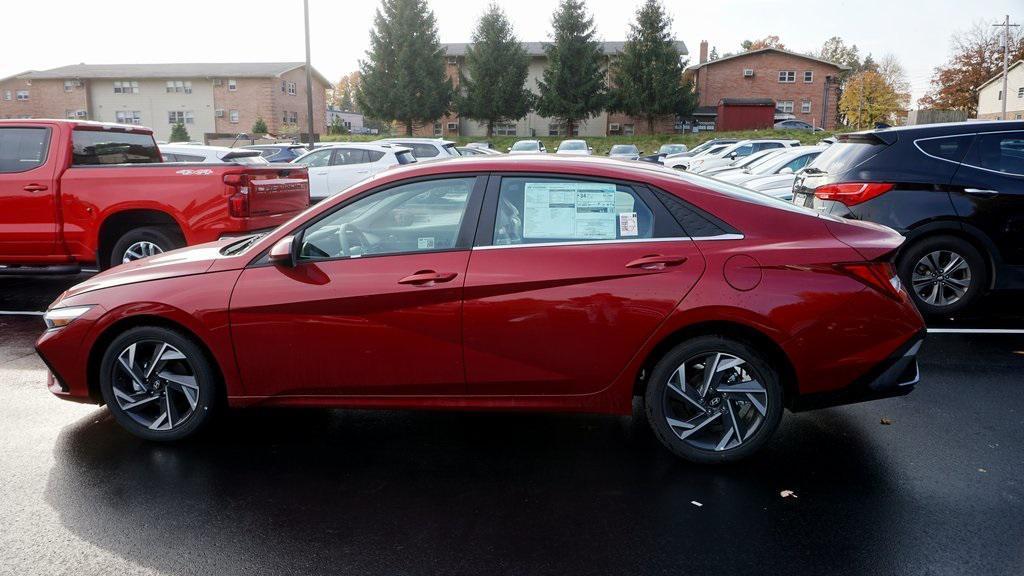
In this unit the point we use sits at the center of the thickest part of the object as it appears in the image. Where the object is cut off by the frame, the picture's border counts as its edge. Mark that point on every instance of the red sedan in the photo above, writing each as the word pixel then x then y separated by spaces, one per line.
pixel 506 283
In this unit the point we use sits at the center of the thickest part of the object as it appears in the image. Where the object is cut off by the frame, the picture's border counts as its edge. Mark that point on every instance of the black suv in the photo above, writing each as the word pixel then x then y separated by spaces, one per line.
pixel 956 191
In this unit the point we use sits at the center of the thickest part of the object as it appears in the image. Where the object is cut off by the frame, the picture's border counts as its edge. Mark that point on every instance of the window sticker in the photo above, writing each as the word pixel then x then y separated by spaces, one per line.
pixel 577 210
pixel 628 224
pixel 425 243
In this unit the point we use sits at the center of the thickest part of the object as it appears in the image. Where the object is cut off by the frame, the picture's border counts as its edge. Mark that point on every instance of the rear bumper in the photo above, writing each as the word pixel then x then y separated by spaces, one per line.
pixel 897 375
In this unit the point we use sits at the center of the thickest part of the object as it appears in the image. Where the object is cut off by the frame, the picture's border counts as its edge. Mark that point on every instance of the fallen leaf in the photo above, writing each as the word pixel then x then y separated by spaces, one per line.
pixel 695 503
pixel 886 421
pixel 982 470
pixel 788 494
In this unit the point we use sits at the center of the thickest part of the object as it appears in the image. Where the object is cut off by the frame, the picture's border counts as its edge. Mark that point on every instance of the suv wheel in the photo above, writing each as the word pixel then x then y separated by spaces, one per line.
pixel 713 400
pixel 944 274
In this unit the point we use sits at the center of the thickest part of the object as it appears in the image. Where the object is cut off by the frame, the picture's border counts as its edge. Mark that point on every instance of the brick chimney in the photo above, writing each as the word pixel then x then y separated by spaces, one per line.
pixel 703 51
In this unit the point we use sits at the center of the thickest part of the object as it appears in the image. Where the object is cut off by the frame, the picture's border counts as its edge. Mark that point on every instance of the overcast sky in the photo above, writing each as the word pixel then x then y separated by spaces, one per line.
pixel 58 32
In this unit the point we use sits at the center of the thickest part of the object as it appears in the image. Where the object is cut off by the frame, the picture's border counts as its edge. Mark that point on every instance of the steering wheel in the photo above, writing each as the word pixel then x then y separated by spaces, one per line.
pixel 343 237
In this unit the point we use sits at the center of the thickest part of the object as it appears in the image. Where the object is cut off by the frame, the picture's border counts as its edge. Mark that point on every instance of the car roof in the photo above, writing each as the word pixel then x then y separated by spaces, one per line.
pixel 927 130
pixel 281 145
pixel 440 141
pixel 194 147
pixel 379 147
pixel 80 123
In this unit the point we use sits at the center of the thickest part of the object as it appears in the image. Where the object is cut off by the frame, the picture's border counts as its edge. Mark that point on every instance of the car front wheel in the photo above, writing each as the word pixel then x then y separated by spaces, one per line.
pixel 158 383
pixel 713 400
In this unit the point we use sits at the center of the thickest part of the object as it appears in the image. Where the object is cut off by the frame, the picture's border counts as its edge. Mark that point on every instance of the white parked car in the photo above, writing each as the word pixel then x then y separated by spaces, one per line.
pixel 574 148
pixel 624 152
pixel 789 161
pixel 336 167
pixel 729 154
pixel 216 154
pixel 528 147
pixel 740 164
pixel 425 148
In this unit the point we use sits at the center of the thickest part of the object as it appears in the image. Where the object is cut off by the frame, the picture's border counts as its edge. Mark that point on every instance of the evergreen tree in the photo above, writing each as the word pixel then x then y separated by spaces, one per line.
pixel 495 91
pixel 573 87
pixel 647 77
pixel 178 133
pixel 403 78
pixel 259 126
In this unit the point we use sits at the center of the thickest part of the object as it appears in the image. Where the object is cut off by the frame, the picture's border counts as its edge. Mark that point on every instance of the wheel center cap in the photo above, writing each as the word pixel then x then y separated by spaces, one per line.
pixel 715 401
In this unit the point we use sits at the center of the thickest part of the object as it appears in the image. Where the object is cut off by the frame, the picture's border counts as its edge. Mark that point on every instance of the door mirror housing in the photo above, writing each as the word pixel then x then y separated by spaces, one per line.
pixel 732 155
pixel 786 170
pixel 283 252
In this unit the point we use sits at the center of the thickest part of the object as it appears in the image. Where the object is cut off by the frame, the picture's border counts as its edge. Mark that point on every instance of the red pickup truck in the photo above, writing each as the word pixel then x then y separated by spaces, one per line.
pixel 76 193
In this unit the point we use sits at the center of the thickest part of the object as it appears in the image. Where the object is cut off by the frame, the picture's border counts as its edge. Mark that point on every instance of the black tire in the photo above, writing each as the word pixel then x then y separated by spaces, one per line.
pixel 911 258
pixel 207 385
pixel 658 405
pixel 165 238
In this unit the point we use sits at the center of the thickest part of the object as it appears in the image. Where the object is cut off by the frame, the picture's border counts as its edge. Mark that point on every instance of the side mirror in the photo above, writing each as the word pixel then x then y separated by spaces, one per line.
pixel 786 170
pixel 283 252
pixel 509 149
pixel 732 155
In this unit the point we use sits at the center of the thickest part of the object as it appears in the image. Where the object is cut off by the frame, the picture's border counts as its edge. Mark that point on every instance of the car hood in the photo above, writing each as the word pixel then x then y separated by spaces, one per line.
pixel 182 262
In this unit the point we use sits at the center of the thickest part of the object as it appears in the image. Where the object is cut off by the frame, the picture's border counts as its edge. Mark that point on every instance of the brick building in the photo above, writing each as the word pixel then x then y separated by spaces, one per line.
pixel 209 99
pixel 803 87
pixel 533 124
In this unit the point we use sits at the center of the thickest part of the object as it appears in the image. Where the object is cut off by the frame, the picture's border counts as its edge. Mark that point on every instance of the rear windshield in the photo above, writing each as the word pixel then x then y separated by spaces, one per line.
pixel 91 147
pixel 573 145
pixel 452 150
pixel 842 156
pixel 524 145
pixel 405 157
pixel 624 149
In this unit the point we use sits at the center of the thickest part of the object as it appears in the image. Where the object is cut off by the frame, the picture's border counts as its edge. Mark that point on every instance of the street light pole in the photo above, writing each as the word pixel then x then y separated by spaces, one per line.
pixel 1006 57
pixel 309 76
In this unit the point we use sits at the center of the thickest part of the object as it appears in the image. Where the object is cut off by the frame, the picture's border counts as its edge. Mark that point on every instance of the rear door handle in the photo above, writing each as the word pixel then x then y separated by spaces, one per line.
pixel 35 187
pixel 428 278
pixel 656 262
pixel 981 191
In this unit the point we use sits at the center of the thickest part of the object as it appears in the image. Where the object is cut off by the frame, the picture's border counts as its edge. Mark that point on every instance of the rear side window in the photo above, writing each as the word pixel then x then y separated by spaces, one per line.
pixel 92 147
pixel 22 149
pixel 374 155
pixel 953 148
pixel 1003 152
pixel 423 150
pixel 542 210
pixel 405 157
pixel 842 156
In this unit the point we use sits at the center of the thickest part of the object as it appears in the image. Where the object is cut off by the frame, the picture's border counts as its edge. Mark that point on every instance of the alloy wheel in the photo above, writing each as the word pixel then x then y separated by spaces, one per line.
pixel 155 385
pixel 141 249
pixel 941 278
pixel 715 402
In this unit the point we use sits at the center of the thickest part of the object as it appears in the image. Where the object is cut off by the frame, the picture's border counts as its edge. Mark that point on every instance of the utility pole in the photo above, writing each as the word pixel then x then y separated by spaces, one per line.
pixel 1006 56
pixel 309 76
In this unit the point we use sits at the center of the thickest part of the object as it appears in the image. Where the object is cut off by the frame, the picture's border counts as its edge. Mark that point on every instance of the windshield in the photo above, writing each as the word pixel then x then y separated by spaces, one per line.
pixel 624 149
pixel 573 145
pixel 713 150
pixel 526 146
pixel 671 149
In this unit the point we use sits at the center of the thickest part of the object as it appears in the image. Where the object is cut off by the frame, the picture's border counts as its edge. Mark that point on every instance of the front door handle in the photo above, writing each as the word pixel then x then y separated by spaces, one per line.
pixel 35 187
pixel 981 192
pixel 428 278
pixel 656 262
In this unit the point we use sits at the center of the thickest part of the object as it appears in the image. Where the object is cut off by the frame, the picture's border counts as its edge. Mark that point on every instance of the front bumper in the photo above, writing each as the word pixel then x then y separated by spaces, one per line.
pixel 895 376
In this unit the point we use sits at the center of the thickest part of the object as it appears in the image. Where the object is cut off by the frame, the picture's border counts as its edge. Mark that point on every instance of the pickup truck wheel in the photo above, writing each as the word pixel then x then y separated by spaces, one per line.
pixel 143 242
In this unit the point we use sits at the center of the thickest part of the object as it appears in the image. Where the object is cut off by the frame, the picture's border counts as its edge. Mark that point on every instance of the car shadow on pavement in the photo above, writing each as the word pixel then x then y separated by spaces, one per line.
pixel 329 491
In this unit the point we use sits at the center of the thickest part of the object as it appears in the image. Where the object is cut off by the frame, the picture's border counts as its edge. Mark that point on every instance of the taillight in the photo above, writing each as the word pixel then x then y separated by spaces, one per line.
pixel 238 201
pixel 878 275
pixel 851 193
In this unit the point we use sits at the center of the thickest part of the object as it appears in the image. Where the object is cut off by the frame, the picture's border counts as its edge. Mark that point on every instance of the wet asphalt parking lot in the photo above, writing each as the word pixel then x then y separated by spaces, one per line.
pixel 938 490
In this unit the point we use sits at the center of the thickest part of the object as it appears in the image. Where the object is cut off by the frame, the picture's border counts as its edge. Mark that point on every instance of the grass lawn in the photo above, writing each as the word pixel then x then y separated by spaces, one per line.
pixel 601 145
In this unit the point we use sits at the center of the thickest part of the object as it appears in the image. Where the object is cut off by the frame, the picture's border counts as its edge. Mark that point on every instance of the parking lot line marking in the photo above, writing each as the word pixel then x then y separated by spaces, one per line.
pixel 20 313
pixel 976 330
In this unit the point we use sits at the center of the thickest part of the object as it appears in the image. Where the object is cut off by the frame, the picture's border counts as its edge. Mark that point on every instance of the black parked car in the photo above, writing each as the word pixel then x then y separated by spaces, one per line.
pixel 279 152
pixel 956 191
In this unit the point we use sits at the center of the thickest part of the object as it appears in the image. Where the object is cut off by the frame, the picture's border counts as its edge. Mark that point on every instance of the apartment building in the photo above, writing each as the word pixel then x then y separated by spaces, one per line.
pixel 803 87
pixel 534 124
pixel 211 99
pixel 990 95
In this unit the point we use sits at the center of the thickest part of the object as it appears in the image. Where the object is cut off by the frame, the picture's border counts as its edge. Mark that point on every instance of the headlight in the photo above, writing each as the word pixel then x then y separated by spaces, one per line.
pixel 60 317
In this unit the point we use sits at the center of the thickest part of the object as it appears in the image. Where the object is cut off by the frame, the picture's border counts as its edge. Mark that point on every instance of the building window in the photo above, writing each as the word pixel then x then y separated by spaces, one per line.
pixel 437 128
pixel 179 86
pixel 21 94
pixel 232 84
pixel 126 87
pixel 453 126
pixel 233 116
pixel 787 76
pixel 289 87
pixel 999 97
pixel 808 76
pixel 554 129
pixel 785 106
pixel 805 106
pixel 70 85
pixel 76 114
pixel 7 95
pixel 628 130
pixel 1020 92
pixel 128 117
pixel 179 117
pixel 290 117
pixel 505 129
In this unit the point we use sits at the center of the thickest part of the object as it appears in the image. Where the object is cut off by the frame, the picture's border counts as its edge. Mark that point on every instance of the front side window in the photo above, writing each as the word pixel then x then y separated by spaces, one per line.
pixel 542 210
pixel 416 217
pixel 91 147
pixel 22 149
pixel 1001 152
pixel 798 163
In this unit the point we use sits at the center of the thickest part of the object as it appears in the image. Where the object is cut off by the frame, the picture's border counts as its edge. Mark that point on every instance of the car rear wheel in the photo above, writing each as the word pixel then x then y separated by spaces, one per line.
pixel 158 384
pixel 144 242
pixel 713 400
pixel 944 274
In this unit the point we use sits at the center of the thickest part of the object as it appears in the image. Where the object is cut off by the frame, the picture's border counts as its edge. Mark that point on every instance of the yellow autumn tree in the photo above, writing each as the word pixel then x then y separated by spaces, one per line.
pixel 869 98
